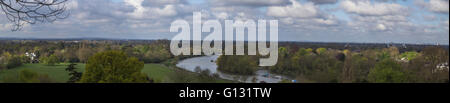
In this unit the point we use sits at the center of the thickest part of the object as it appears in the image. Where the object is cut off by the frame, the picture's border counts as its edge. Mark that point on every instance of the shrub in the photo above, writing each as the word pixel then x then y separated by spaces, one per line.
pixel 113 67
pixel 13 62
pixel 50 61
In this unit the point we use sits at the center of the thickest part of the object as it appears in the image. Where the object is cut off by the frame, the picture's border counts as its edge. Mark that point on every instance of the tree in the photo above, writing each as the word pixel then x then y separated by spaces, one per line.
pixel 321 51
pixel 387 71
pixel 239 64
pixel 156 53
pixel 8 61
pixel 74 75
pixel 13 62
pixel 425 66
pixel 70 55
pixel 435 55
pixel 52 60
pixel 84 54
pixel 113 67
pixel 392 51
pixel 356 68
pixel 21 12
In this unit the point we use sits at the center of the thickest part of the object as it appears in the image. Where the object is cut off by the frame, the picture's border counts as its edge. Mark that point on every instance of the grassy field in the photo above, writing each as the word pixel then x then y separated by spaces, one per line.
pixel 160 73
pixel 56 73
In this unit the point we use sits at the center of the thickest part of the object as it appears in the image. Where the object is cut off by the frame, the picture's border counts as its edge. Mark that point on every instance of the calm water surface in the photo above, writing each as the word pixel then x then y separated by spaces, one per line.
pixel 208 62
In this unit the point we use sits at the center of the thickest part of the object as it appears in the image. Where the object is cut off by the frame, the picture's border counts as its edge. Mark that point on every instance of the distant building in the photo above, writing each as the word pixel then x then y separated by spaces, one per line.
pixel 32 57
pixel 441 67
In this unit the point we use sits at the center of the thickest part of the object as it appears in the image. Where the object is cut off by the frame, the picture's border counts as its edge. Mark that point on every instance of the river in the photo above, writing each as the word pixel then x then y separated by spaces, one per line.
pixel 208 62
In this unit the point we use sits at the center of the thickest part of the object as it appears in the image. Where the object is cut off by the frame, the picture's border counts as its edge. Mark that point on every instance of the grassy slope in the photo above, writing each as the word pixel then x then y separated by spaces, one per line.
pixel 158 72
pixel 56 73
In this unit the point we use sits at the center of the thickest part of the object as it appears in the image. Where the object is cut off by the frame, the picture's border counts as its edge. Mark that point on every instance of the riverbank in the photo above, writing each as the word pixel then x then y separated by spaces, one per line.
pixel 208 63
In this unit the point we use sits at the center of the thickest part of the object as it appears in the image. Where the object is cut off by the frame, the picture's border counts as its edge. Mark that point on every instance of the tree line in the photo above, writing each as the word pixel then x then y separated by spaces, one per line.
pixel 13 53
pixel 327 65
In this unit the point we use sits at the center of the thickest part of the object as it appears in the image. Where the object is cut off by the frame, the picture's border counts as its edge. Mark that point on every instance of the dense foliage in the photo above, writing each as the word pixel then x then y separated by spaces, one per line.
pixel 387 65
pixel 113 67
pixel 75 76
pixel 244 65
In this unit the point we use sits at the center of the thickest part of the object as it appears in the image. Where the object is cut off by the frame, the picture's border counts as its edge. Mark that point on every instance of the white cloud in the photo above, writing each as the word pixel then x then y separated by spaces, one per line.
pixel 438 6
pixel 221 15
pixel 381 27
pixel 445 25
pixel 296 10
pixel 370 8
pixel 150 12
pixel 253 3
pixel 72 5
pixel 139 9
pixel 379 15
pixel 168 10
pixel 350 20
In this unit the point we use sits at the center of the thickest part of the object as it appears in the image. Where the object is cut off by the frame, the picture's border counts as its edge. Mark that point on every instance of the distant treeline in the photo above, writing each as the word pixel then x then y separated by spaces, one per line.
pixel 370 65
pixel 14 52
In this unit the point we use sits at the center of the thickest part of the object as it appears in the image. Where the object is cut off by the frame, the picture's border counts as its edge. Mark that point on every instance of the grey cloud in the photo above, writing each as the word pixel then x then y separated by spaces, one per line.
pixel 306 21
pixel 161 3
pixel 437 6
pixel 324 1
pixel 250 3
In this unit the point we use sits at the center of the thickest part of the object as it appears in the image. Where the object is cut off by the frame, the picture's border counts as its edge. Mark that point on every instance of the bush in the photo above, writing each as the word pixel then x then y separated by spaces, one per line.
pixel 113 67
pixel 241 65
pixel 387 71
pixel 13 62
pixel 156 54
pixel 50 61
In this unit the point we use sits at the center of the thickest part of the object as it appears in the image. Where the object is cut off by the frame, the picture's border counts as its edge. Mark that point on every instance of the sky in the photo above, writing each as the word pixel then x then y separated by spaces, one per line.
pixel 362 21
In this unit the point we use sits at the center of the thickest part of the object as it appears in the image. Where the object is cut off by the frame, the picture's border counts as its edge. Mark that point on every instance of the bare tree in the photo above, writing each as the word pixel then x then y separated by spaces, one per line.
pixel 21 12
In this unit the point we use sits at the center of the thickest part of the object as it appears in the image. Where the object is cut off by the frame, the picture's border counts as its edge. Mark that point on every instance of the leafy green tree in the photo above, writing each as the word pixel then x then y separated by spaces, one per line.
pixel 283 65
pixel 156 53
pixel 321 51
pixel 356 69
pixel 14 61
pixel 52 60
pixel 383 56
pixel 84 54
pixel 113 67
pixel 435 55
pixel 325 69
pixel 74 75
pixel 387 71
pixel 392 51
pixel 243 65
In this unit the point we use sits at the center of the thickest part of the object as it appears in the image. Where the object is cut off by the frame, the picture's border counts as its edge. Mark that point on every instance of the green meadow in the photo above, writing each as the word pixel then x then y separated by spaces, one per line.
pixel 158 72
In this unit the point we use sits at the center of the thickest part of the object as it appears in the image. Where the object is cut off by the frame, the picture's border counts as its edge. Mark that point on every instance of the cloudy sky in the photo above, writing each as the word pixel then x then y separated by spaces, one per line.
pixel 400 21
